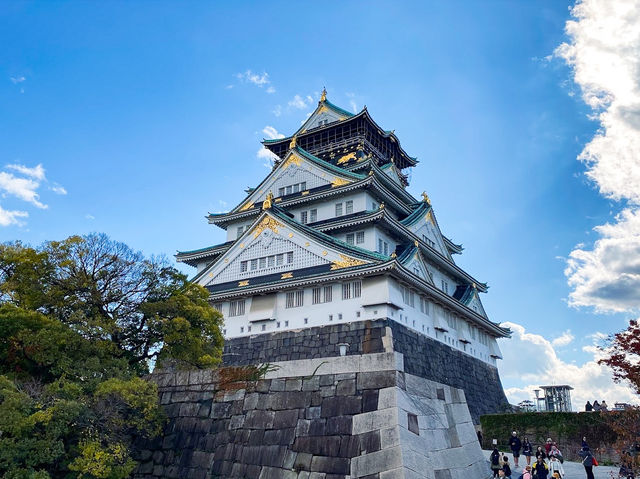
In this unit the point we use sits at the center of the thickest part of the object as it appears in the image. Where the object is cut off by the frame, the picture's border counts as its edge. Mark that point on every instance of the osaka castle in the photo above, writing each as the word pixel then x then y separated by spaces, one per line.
pixel 332 235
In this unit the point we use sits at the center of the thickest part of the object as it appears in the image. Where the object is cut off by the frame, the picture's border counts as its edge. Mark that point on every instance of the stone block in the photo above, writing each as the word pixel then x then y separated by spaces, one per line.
pixel 369 399
pixel 340 406
pixel 346 387
pixel 399 473
pixel 277 385
pixel 258 419
pixel 330 465
pixel 293 385
pixel 380 419
pixel 285 419
pixel 339 425
pixel 389 437
pixel 312 412
pixel 251 401
pixel 302 462
pixel 277 473
pixel 383 460
pixel 311 384
pixel 376 379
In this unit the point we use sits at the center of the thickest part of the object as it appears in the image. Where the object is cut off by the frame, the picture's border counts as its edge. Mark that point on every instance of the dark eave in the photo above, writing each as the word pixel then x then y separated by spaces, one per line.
pixel 280 146
pixel 193 257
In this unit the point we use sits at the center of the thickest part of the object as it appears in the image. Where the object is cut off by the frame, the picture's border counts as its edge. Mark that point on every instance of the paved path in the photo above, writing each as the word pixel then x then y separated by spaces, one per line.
pixel 573 470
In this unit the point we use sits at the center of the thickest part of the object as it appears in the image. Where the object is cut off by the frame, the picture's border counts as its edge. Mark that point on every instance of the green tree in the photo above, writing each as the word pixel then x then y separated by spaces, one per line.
pixel 81 322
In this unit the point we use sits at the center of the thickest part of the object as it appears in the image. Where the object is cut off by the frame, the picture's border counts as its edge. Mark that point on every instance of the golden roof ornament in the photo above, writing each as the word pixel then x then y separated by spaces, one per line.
pixel 474 286
pixel 293 143
pixel 382 205
pixel 266 204
pixel 323 97
pixel 393 255
pixel 425 198
pixel 416 242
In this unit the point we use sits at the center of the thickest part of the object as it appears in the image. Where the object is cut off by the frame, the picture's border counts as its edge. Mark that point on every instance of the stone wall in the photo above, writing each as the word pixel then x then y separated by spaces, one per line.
pixel 357 416
pixel 425 357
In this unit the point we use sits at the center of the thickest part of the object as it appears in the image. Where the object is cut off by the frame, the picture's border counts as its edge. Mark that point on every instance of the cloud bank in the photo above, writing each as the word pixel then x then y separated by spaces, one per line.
pixel 23 182
pixel 603 55
pixel 532 359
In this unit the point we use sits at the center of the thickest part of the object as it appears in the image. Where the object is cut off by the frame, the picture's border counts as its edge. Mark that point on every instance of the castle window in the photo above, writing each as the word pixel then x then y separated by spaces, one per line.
pixel 348 207
pixel 271 261
pixel 236 308
pixel 243 266
pixel 338 209
pixel 360 237
pixel 239 232
pixel 264 327
pixel 294 299
pixel 306 320
pixel 242 329
pixel 352 289
pixel 445 286
pixel 254 264
pixel 280 191
pixel 428 241
pixel 313 215
pixel 303 217
pixel 248 329
pixel 290 257
pixel 350 238
pixel 279 259
pixel 331 317
pixel 262 262
pixel 322 295
pixel 286 324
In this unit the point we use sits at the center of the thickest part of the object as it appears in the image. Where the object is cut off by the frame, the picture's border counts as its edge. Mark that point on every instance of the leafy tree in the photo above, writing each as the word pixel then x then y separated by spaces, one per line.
pixel 623 355
pixel 81 322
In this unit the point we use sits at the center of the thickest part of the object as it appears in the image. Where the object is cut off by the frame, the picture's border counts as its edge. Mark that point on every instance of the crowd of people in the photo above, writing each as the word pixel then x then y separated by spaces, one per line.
pixel 545 461
pixel 596 406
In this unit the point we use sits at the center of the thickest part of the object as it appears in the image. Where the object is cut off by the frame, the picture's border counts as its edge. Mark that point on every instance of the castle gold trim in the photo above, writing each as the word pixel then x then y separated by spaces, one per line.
pixel 346 262
pixel 339 182
pixel 267 222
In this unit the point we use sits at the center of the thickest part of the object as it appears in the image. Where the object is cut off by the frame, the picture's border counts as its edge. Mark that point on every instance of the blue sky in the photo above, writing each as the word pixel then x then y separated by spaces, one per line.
pixel 144 116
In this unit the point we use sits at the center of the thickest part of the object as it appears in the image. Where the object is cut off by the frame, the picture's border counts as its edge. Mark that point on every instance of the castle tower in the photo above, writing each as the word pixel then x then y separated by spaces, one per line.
pixel 381 356
pixel 332 236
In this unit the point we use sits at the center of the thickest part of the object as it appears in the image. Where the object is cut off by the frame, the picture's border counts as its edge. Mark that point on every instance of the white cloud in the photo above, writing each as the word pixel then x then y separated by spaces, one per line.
pixel 564 339
pixel 352 102
pixel 271 133
pixel 8 217
pixel 89 216
pixel 23 188
pixel 531 358
pixel 602 52
pixel 58 189
pixel 260 80
pixel 16 80
pixel 298 102
pixel 36 172
pixel 607 277
pixel 277 111
pixel 24 185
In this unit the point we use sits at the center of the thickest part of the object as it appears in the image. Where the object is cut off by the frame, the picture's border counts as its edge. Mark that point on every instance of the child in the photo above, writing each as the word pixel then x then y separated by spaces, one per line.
pixel 555 466
pixel 506 467
pixel 540 469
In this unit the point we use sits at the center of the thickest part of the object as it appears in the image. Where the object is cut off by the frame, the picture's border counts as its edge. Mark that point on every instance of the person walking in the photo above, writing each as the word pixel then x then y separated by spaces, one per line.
pixel 555 466
pixel 603 406
pixel 515 445
pixel 588 407
pixel 587 462
pixel 555 452
pixel 547 446
pixel 527 450
pixel 540 469
pixel 494 459
pixel 596 406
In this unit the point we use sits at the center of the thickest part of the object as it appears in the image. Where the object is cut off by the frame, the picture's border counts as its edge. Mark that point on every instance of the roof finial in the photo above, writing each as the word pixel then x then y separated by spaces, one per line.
pixel 323 97
pixel 425 198
pixel 474 286
pixel 293 143
pixel 266 204
pixel 382 205
pixel 416 243
pixel 394 255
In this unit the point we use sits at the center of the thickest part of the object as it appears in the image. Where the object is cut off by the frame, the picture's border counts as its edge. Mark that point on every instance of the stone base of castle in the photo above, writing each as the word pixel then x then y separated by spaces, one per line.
pixel 357 416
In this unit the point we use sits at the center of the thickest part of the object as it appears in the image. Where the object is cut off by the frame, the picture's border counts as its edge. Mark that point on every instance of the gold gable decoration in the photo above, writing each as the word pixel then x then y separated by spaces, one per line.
pixel 293 159
pixel 339 182
pixel 266 204
pixel 267 222
pixel 346 262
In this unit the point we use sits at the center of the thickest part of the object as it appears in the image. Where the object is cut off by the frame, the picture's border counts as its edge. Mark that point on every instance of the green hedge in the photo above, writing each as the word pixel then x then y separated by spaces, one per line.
pixel 565 428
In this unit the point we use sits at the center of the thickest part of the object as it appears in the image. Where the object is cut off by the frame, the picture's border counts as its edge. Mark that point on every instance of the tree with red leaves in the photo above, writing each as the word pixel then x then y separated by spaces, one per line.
pixel 623 350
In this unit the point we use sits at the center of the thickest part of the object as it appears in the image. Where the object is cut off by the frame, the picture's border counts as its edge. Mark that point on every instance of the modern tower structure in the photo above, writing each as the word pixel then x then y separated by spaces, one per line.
pixel 332 236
